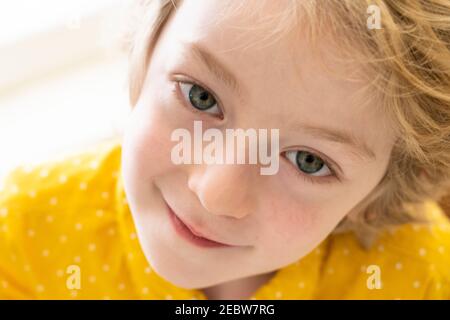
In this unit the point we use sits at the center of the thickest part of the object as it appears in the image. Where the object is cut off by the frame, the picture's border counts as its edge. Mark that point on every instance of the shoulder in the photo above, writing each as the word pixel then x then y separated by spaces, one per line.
pixel 55 214
pixel 411 261
pixel 65 182
pixel 57 193
pixel 424 243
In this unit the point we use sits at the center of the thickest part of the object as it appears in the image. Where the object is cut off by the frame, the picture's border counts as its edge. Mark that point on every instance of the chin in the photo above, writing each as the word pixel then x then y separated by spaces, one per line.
pixel 184 278
pixel 179 271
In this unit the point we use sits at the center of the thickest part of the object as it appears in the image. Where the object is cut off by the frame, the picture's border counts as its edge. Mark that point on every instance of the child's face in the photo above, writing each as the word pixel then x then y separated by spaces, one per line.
pixel 272 219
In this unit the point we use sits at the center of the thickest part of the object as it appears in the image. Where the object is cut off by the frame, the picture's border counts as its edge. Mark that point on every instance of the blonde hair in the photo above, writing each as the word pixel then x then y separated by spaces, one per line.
pixel 408 61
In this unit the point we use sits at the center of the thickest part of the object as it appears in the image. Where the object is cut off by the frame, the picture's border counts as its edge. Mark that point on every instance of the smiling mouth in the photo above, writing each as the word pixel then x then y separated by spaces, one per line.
pixel 191 235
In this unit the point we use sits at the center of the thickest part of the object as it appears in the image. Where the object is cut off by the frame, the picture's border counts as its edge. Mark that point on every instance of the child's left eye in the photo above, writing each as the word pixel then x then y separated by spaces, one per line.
pixel 309 163
pixel 199 98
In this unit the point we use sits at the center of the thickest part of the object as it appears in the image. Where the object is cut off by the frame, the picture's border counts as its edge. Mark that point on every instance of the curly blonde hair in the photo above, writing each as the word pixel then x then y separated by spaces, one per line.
pixel 408 64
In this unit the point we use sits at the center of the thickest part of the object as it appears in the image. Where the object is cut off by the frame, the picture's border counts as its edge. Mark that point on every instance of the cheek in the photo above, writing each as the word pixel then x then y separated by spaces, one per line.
pixel 290 230
pixel 147 144
pixel 289 220
pixel 297 223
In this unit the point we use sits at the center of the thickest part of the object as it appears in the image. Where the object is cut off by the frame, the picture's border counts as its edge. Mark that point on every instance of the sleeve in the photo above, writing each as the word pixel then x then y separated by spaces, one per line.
pixel 16 279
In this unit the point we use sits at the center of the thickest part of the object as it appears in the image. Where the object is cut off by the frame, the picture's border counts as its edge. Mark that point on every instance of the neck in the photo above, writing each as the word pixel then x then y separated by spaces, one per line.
pixel 240 289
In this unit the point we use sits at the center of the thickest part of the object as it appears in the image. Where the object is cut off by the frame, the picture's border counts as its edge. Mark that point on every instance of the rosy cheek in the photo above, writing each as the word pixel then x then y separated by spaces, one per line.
pixel 289 219
pixel 300 224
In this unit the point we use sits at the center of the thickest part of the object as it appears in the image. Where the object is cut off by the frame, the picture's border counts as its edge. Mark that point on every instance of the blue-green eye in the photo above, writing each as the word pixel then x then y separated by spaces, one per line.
pixel 200 98
pixel 308 163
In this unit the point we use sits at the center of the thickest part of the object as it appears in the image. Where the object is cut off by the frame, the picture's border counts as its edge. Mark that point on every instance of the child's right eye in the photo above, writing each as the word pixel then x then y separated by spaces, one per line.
pixel 198 98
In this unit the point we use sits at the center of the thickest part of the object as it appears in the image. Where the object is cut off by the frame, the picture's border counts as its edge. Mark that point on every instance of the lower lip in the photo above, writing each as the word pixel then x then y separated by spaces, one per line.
pixel 184 232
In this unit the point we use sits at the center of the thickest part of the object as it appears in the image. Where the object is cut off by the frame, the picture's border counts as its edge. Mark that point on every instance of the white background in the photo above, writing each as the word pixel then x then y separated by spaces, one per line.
pixel 63 79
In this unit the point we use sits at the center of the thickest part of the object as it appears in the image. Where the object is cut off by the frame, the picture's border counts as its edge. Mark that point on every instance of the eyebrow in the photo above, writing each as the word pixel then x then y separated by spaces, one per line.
pixel 215 67
pixel 361 149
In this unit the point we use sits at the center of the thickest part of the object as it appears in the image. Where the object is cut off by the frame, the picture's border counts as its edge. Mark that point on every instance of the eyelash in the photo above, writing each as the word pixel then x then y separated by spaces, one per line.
pixel 177 91
pixel 298 173
pixel 314 179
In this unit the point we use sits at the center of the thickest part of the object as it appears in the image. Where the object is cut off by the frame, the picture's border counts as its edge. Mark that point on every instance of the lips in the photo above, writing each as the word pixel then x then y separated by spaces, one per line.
pixel 195 234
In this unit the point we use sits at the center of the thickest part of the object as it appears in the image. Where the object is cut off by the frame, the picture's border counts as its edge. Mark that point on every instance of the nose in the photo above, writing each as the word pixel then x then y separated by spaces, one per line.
pixel 224 189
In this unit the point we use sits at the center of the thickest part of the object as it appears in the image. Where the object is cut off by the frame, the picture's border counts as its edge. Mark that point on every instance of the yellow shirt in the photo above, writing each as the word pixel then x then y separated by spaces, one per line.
pixel 69 218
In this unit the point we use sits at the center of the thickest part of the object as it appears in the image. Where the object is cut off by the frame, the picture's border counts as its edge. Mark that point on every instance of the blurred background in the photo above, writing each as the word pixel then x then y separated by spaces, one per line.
pixel 63 77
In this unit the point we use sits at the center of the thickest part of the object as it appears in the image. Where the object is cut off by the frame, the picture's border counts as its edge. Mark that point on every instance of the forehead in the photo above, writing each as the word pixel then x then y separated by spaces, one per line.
pixel 283 74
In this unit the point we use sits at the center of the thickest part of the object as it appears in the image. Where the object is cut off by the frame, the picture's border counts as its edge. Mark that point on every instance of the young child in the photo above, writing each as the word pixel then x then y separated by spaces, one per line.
pixel 359 92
